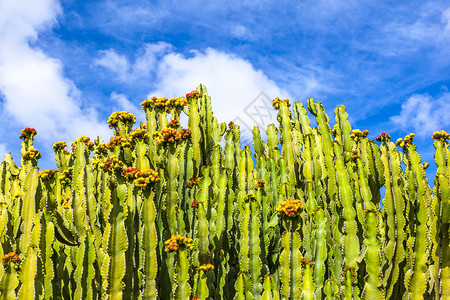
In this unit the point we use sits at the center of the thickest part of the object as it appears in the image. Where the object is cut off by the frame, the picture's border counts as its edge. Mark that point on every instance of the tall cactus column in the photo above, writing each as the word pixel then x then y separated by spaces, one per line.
pixel 441 211
pixel 30 227
pixel 180 245
pixel 393 208
pixel 290 257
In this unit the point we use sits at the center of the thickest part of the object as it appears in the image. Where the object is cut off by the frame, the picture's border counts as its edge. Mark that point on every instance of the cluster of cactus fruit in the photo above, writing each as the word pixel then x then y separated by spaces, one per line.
pixel 162 212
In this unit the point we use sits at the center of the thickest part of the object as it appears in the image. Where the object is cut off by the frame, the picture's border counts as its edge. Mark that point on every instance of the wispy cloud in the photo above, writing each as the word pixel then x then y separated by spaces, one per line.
pixel 446 21
pixel 123 104
pixel 145 61
pixel 116 63
pixel 424 114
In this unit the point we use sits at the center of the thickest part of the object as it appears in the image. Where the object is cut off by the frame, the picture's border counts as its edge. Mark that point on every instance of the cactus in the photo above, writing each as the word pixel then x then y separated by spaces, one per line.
pixel 164 212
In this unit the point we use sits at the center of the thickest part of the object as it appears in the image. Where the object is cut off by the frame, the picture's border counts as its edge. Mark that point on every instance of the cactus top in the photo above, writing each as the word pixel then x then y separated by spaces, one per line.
pixel 356 134
pixel 192 95
pixel 277 101
pixel 31 154
pixel 249 197
pixel 111 164
pixel 178 241
pixel 440 135
pixel 137 134
pixel 141 178
pixel 122 116
pixel 65 176
pixel 84 139
pixel 59 146
pixel 290 208
pixel 404 142
pixel 164 103
pixel 101 148
pixel 259 184
pixel 170 135
pixel 28 132
pixel 47 174
pixel 205 267
pixel 192 182
pixel 118 141
pixel 10 257
pixel 383 137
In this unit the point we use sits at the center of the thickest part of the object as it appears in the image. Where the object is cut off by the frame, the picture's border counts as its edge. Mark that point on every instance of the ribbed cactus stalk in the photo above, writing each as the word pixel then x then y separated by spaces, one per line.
pixel 27 271
pixel 320 251
pixel 284 114
pixel 194 123
pixel 249 244
pixel 243 287
pixel 115 240
pixel 307 286
pixel 335 259
pixel 180 245
pixel 349 289
pixel 46 272
pixel 393 207
pixel 290 257
pixel 270 289
pixel 373 288
pixel 9 281
pixel 201 290
pixel 351 245
pixel 149 245
pixel 202 254
pixel 419 195
pixel 441 210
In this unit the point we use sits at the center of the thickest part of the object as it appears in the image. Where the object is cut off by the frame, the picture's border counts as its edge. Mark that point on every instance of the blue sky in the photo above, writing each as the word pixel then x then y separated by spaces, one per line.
pixel 65 66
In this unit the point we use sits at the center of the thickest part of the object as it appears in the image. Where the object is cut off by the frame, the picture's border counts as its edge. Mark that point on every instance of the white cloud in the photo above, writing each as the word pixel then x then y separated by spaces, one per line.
pixel 114 62
pixel 145 62
pixel 22 19
pixel 241 32
pixel 123 104
pixel 148 58
pixel 419 29
pixel 234 85
pixel 446 21
pixel 34 89
pixel 424 114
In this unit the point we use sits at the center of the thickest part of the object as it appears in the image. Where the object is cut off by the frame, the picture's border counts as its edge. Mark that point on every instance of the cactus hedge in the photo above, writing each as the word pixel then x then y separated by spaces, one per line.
pixel 163 212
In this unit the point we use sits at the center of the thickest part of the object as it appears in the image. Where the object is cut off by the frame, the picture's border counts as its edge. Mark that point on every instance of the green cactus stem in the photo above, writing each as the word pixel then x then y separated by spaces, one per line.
pixel 290 257
pixel 373 288
pixel 9 280
pixel 180 245
pixel 270 289
pixel 249 244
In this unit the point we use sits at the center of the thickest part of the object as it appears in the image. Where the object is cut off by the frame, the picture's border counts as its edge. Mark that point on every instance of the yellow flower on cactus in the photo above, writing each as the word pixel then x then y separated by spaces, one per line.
pixel 47 174
pixel 32 154
pixel 440 135
pixel 277 101
pixel 290 208
pixel 205 267
pixel 177 242
pixel 10 257
pixel 121 116
pixel 28 132
pixel 59 146
pixel 83 139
